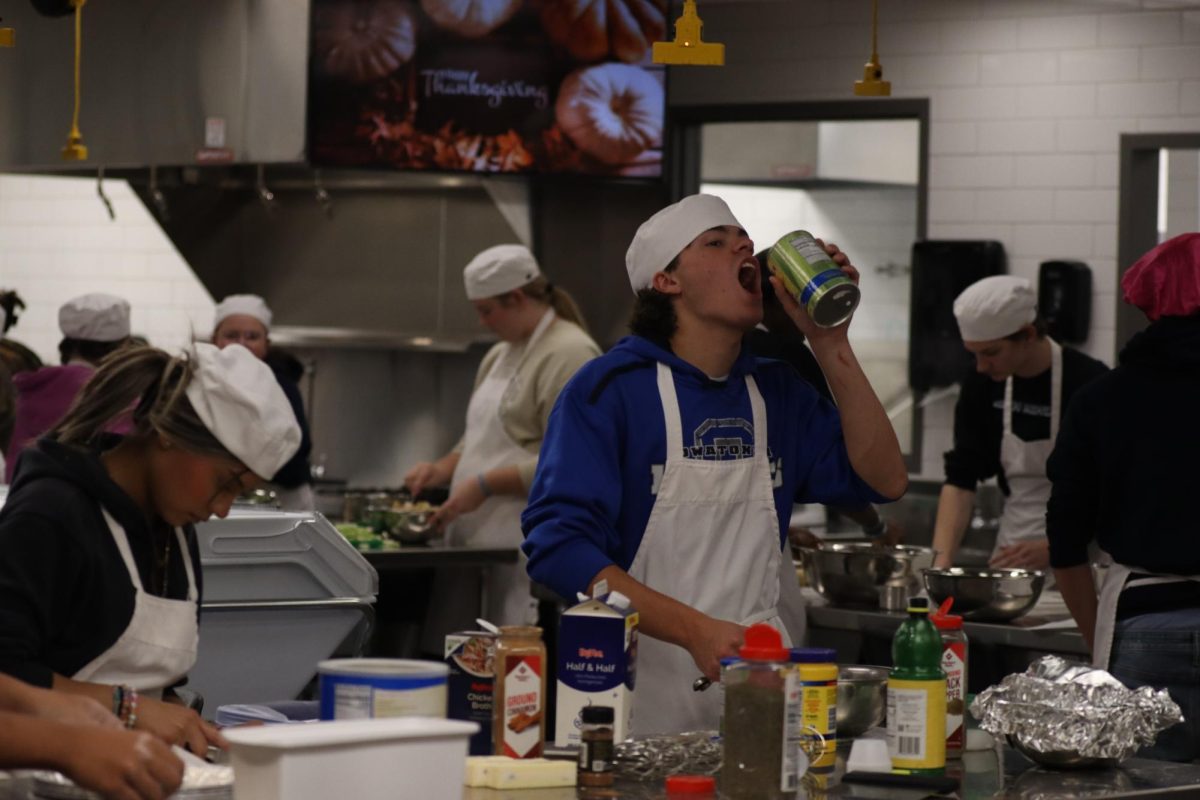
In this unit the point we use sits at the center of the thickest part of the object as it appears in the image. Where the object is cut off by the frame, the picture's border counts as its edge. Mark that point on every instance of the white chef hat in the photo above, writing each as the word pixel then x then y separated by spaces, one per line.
pixel 239 400
pixel 498 270
pixel 94 317
pixel 251 305
pixel 664 235
pixel 995 307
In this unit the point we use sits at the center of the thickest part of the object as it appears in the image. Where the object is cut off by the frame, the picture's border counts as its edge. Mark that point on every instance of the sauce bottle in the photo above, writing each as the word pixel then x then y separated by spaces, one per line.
pixel 518 716
pixel 954 664
pixel 916 699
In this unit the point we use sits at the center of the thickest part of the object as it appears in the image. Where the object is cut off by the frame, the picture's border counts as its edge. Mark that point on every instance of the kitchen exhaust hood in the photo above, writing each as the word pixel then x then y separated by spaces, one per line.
pixel 201 106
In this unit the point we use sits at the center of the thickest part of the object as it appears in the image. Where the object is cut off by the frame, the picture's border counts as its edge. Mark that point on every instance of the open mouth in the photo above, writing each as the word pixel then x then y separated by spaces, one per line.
pixel 747 276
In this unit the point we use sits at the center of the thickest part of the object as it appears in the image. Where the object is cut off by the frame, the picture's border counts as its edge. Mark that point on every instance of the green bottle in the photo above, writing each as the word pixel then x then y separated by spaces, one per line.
pixel 916 700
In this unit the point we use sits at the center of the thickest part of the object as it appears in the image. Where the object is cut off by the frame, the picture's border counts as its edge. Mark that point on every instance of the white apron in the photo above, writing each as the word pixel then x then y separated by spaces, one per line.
pixel 158 647
pixel 1024 463
pixel 1110 593
pixel 486 445
pixel 711 542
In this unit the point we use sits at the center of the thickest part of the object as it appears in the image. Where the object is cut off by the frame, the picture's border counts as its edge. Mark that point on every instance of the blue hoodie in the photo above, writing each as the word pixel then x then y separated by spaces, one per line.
pixel 605 448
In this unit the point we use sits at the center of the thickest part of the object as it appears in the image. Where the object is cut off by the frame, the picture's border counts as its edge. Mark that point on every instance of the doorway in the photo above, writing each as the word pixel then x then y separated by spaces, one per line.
pixel 851 172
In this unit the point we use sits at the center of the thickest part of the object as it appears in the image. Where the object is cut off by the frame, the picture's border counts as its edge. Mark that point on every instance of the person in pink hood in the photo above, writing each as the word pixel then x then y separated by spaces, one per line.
pixel 92 325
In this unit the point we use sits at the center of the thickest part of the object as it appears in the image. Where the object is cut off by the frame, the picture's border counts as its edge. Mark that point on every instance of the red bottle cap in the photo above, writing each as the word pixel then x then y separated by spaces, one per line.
pixel 763 643
pixel 691 784
pixel 945 621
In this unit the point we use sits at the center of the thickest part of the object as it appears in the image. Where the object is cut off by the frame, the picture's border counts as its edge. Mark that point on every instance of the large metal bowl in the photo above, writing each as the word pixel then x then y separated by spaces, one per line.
pixel 1060 759
pixel 405 525
pixel 861 699
pixel 854 573
pixel 985 595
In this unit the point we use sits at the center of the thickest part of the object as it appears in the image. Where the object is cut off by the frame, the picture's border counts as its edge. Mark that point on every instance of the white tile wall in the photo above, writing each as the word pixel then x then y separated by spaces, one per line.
pixel 57 241
pixel 1027 152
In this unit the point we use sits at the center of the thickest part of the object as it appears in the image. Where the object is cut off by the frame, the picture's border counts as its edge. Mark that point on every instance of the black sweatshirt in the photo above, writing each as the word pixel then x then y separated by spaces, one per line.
pixel 65 593
pixel 1126 467
pixel 979 417
pixel 288 371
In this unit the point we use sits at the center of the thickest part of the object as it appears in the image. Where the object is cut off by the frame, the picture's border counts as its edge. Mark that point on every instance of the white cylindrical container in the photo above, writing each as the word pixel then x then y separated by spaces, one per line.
pixel 364 688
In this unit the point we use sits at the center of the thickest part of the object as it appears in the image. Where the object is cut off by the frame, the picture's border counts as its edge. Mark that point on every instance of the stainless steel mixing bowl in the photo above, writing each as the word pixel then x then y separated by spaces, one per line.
pixel 854 573
pixel 985 595
pixel 861 699
pixel 1061 759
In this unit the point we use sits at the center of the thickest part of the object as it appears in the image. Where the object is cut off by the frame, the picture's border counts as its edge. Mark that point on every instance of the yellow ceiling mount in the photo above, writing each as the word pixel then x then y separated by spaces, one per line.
pixel 872 84
pixel 75 149
pixel 8 37
pixel 688 48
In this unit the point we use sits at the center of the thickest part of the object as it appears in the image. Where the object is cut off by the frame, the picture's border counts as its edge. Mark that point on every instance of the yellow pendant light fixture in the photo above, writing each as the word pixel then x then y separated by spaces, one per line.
pixel 688 48
pixel 872 84
pixel 75 149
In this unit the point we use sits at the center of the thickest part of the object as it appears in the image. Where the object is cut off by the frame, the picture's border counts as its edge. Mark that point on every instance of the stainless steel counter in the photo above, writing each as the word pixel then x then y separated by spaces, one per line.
pixel 1019 633
pixel 980 773
pixel 1005 775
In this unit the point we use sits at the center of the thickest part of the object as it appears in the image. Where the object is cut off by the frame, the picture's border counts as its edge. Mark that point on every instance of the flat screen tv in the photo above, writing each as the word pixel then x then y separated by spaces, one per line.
pixel 535 86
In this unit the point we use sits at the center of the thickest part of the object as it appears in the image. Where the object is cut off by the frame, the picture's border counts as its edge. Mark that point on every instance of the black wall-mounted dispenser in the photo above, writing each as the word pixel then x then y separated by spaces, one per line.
pixel 1065 299
pixel 940 271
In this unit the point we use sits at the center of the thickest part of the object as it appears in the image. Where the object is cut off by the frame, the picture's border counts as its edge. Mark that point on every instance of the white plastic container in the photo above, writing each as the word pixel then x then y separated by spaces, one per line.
pixel 368 688
pixel 379 759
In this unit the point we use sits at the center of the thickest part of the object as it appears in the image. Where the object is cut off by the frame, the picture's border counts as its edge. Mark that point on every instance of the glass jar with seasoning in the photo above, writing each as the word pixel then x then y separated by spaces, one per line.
pixel 518 720
pixel 596 746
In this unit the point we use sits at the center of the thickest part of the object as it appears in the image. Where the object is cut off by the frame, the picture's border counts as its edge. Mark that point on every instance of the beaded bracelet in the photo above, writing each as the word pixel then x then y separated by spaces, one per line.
pixel 129 706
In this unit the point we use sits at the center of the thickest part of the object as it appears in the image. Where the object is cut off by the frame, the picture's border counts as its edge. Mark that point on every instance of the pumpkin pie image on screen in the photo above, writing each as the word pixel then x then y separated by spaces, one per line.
pixel 613 113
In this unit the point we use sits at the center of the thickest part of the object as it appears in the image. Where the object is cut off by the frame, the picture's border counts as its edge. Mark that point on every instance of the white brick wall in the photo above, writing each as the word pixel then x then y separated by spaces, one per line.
pixel 1028 100
pixel 57 241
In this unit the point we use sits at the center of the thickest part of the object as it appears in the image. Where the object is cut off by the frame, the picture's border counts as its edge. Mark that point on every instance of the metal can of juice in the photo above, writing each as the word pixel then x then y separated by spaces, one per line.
pixel 811 276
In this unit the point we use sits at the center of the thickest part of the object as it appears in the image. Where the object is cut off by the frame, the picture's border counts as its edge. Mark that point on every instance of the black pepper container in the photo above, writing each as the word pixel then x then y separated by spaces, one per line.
pixel 596 746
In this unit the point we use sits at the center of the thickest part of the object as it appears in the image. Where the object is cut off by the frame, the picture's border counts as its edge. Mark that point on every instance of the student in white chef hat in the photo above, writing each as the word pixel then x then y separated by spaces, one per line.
pixel 489 472
pixel 245 319
pixel 1006 419
pixel 672 462
pixel 99 566
pixel 93 326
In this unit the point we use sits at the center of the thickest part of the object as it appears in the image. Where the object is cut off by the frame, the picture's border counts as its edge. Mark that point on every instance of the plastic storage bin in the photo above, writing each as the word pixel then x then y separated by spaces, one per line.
pixel 282 590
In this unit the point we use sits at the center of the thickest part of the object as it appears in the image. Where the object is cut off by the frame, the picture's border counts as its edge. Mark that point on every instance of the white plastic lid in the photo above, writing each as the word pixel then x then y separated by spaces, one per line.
pixel 347 731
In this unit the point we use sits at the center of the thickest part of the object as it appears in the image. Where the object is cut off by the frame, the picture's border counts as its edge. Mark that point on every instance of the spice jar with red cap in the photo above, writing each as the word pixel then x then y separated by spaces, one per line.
pixel 695 787
pixel 954 664
pixel 762 710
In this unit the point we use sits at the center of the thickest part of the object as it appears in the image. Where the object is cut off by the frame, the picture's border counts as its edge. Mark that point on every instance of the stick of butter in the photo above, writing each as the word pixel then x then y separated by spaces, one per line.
pixel 477 769
pixel 501 772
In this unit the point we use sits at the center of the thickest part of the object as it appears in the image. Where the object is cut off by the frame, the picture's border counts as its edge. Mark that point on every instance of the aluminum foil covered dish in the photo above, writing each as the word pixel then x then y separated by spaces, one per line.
pixel 1073 714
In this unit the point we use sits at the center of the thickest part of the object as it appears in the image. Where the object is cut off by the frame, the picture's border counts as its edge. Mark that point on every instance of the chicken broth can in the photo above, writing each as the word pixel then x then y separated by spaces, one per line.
pixel 812 277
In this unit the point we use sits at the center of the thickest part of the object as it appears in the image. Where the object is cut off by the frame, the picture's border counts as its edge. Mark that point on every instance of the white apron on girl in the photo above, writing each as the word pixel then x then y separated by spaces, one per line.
pixel 711 542
pixel 158 646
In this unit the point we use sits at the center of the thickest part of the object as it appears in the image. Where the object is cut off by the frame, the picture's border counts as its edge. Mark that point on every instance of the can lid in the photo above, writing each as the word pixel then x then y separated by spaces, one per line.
pixel 814 655
pixel 691 784
pixel 763 643
pixel 597 715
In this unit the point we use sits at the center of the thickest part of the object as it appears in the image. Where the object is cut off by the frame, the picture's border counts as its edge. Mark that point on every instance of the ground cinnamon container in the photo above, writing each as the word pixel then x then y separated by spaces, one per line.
pixel 519 724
